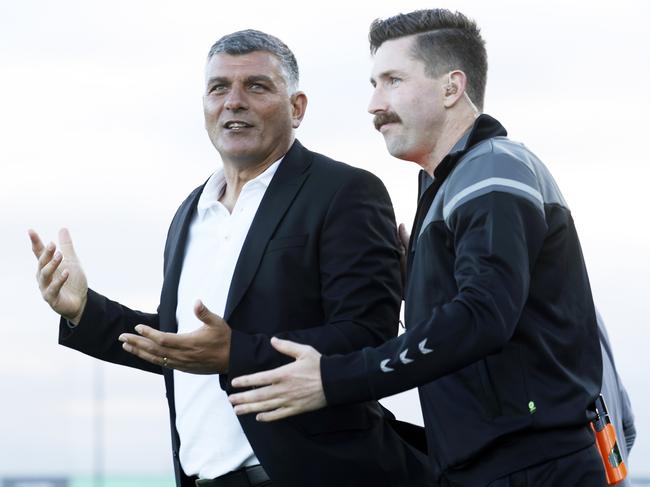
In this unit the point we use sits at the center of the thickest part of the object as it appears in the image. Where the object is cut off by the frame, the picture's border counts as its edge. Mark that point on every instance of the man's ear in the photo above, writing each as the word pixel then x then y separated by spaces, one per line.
pixel 454 87
pixel 298 108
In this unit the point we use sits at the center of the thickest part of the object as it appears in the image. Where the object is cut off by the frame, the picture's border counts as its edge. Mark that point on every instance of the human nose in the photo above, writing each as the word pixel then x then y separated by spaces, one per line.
pixel 377 101
pixel 235 100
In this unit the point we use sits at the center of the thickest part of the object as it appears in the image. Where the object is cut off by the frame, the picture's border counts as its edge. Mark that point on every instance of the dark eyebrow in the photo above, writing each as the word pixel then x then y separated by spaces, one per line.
pixel 260 77
pixel 391 73
pixel 251 79
pixel 218 79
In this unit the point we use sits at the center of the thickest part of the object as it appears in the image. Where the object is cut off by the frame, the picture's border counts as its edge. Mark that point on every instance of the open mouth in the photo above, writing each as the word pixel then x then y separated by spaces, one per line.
pixel 236 125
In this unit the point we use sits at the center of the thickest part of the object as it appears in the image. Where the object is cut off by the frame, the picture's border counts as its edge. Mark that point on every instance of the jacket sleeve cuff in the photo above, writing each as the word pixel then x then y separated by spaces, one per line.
pixel 345 379
pixel 239 347
pixel 95 303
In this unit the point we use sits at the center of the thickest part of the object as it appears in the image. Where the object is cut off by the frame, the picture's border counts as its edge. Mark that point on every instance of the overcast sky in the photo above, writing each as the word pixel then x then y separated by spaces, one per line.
pixel 102 131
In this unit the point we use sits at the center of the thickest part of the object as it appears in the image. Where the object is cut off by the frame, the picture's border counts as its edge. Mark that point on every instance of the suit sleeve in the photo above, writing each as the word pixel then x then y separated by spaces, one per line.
pixel 97 333
pixel 103 320
pixel 360 281
pixel 497 237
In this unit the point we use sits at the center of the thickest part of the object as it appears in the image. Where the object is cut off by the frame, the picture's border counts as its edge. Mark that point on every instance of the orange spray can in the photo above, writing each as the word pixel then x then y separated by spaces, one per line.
pixel 615 468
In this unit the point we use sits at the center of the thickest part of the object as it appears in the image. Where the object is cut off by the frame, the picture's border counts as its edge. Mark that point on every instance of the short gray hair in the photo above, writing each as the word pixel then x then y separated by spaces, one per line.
pixel 249 40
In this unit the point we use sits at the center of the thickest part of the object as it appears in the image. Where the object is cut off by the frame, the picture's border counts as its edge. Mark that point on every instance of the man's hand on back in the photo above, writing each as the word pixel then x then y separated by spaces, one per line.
pixel 403 237
pixel 284 391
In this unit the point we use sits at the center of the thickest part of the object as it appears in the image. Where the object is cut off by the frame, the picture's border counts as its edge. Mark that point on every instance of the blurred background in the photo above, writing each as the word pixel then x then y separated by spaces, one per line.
pixel 102 131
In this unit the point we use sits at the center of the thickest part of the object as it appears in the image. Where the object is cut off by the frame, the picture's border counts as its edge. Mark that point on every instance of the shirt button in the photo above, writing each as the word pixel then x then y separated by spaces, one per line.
pixel 226 237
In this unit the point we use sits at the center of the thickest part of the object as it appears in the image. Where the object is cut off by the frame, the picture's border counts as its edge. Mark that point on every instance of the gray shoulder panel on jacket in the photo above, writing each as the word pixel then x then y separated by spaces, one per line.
pixel 500 164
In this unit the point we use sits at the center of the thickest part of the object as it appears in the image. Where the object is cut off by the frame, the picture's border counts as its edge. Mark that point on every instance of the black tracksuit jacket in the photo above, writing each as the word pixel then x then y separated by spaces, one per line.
pixel 501 329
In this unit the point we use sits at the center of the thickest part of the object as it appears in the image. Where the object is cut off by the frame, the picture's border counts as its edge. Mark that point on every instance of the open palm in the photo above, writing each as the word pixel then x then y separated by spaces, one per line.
pixel 60 277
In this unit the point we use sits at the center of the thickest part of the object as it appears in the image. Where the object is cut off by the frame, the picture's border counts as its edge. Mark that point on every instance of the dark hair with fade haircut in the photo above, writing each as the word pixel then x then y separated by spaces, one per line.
pixel 445 41
pixel 250 40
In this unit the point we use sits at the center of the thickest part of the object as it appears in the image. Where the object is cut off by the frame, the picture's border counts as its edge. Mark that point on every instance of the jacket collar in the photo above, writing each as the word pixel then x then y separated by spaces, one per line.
pixel 284 185
pixel 280 194
pixel 484 127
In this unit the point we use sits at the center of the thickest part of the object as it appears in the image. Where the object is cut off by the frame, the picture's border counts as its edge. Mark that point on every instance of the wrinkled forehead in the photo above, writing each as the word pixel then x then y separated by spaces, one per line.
pixel 235 66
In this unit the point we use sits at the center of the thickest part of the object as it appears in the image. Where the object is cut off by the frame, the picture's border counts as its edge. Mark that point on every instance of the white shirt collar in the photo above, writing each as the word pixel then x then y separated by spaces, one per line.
pixel 215 186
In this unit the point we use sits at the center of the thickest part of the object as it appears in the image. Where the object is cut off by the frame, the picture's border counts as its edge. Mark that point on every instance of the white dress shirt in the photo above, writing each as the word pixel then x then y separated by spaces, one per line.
pixel 212 440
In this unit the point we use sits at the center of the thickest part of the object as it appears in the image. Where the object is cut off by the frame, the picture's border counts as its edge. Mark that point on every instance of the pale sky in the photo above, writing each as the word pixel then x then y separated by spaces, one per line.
pixel 102 132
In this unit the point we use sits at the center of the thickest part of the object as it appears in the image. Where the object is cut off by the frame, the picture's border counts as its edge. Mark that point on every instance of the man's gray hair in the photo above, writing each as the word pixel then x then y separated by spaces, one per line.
pixel 249 40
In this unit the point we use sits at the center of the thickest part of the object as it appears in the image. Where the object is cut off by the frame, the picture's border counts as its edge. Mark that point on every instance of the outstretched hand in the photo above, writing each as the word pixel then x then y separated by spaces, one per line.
pixel 60 277
pixel 205 350
pixel 285 391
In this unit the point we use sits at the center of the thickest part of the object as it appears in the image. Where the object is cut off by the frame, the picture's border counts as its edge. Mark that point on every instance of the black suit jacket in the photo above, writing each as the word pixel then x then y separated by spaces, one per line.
pixel 320 266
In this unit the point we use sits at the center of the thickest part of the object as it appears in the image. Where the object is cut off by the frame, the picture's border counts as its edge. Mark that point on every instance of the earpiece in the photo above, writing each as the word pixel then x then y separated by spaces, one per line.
pixel 450 88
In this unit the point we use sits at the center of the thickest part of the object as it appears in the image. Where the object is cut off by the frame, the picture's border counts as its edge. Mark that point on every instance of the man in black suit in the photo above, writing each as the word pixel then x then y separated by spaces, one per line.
pixel 280 242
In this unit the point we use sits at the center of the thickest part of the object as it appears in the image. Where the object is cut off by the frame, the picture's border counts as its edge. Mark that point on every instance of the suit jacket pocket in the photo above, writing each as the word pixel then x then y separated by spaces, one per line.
pixel 279 243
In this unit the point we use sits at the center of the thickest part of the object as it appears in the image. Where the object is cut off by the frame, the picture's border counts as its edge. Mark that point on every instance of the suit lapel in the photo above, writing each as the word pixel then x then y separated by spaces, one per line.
pixel 284 186
pixel 174 253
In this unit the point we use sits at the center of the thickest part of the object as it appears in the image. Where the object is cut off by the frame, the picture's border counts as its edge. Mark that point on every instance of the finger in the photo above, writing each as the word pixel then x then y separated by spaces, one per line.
pixel 46 255
pixel 259 379
pixel 255 395
pixel 279 413
pixel 202 312
pixel 259 407
pixel 43 261
pixel 136 342
pixel 148 356
pixel 164 339
pixel 37 243
pixel 49 269
pixel 53 290
pixel 404 235
pixel 65 242
pixel 287 347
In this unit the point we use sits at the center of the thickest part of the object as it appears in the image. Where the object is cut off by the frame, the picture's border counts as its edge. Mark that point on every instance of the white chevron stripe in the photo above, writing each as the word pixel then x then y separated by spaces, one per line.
pixel 423 348
pixel 404 359
pixel 384 366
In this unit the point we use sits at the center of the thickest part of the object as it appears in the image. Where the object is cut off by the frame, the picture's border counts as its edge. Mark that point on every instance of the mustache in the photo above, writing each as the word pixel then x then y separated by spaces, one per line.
pixel 384 118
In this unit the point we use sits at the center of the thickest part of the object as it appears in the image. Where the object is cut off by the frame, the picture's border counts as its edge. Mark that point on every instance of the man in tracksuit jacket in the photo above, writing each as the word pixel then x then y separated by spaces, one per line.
pixel 501 333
